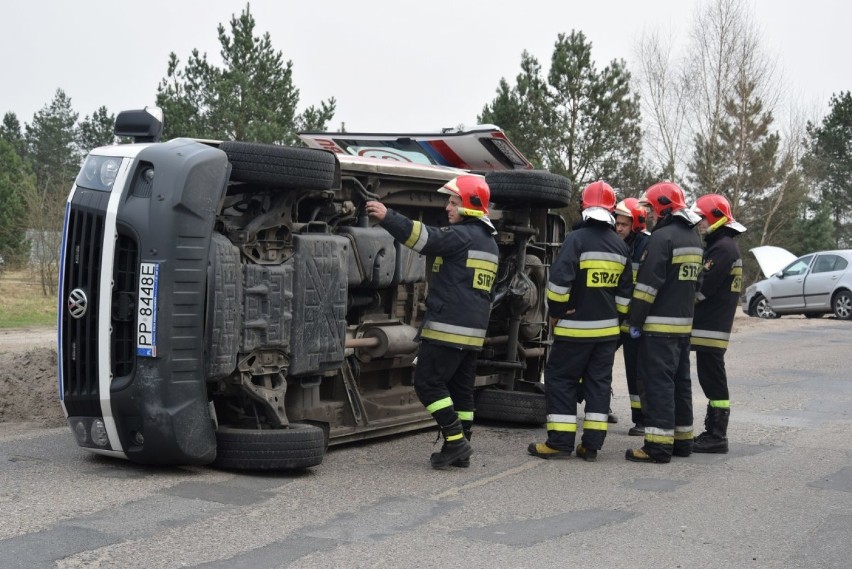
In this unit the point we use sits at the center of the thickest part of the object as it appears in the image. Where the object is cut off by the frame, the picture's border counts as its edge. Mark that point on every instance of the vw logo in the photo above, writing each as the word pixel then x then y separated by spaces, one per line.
pixel 77 303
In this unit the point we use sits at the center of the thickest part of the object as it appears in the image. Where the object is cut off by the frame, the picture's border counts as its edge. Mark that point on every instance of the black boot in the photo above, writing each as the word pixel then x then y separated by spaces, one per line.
pixel 708 423
pixel 715 438
pixel 462 462
pixel 455 446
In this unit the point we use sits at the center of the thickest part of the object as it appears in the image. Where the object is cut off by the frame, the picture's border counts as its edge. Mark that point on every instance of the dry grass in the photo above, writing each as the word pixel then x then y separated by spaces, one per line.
pixel 22 302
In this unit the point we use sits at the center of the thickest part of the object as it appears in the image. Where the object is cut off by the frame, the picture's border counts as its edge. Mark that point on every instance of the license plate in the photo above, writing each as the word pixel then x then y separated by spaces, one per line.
pixel 146 310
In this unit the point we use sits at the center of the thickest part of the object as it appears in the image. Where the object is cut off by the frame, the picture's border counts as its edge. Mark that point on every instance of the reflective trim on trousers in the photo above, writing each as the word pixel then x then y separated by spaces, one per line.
pixel 564 423
pixel 439 404
pixel 683 433
pixel 661 436
pixel 596 421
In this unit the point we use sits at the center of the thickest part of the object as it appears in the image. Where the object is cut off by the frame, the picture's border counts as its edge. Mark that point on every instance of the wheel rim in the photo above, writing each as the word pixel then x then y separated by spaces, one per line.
pixel 763 310
pixel 843 306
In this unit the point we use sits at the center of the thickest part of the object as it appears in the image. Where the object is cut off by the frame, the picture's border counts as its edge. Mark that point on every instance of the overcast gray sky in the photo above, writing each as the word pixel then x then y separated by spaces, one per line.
pixel 393 65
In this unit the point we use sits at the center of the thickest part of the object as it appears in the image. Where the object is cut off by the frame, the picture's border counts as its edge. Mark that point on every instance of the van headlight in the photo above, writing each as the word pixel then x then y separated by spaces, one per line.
pixel 99 172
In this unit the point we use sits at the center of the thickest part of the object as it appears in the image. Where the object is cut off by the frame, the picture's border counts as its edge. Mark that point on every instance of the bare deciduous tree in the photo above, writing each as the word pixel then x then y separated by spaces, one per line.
pixel 724 53
pixel 664 87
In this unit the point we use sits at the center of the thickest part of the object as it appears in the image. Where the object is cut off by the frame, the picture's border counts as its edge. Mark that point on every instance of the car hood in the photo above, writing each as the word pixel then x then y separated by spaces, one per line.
pixel 772 259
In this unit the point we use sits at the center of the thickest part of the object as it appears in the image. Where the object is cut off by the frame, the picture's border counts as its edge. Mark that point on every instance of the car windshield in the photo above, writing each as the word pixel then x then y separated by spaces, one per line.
pixel 798 267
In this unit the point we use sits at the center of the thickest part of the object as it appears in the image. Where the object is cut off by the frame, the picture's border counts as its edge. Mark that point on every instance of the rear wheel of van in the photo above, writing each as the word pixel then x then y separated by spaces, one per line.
pixel 511 406
pixel 296 446
pixel 280 166
pixel 530 188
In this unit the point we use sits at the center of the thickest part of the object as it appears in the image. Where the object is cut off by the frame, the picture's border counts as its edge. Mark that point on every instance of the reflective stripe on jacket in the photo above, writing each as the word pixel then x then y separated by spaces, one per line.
pixel 663 300
pixel 720 292
pixel 462 279
pixel 591 276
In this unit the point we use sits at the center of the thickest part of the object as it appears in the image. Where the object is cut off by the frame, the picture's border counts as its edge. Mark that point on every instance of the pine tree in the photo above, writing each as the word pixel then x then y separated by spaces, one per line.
pixel 252 97
pixel 10 131
pixel 96 130
pixel 577 121
pixel 828 164
pixel 51 146
pixel 761 182
pixel 16 184
pixel 52 149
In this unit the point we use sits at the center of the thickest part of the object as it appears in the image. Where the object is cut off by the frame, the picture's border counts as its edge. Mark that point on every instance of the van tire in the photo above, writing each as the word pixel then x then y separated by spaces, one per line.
pixel 530 188
pixel 511 406
pixel 281 166
pixel 294 447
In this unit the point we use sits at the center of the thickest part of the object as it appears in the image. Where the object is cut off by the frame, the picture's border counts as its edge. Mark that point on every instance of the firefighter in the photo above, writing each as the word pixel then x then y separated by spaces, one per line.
pixel 587 294
pixel 457 307
pixel 714 315
pixel 661 312
pixel 630 226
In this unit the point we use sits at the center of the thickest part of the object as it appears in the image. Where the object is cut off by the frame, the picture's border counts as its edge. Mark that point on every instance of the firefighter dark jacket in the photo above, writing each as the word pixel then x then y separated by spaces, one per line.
pixel 637 242
pixel 463 273
pixel 720 291
pixel 663 302
pixel 591 276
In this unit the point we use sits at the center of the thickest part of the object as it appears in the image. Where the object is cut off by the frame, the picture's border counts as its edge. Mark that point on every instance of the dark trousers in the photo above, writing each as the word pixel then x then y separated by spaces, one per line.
pixel 711 374
pixel 443 372
pixel 663 368
pixel 567 364
pixel 630 349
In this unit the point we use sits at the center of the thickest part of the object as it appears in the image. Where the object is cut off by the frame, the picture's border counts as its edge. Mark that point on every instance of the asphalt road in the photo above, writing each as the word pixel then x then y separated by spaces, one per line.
pixel 781 498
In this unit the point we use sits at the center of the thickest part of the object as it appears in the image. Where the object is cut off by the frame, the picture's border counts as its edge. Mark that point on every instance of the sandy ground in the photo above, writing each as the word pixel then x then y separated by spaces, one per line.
pixel 29 391
pixel 28 378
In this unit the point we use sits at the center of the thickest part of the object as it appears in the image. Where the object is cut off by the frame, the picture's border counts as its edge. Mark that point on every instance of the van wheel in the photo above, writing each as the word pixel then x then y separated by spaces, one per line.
pixel 297 446
pixel 535 188
pixel 281 166
pixel 511 406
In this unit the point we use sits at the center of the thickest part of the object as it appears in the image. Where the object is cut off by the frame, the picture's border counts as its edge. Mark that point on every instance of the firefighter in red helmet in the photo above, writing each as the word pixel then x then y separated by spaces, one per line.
pixel 457 308
pixel 661 312
pixel 714 315
pixel 587 295
pixel 630 226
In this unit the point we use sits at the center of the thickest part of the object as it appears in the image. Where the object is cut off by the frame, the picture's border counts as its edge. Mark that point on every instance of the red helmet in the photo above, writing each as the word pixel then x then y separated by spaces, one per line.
pixel 629 207
pixel 598 194
pixel 716 209
pixel 664 198
pixel 473 191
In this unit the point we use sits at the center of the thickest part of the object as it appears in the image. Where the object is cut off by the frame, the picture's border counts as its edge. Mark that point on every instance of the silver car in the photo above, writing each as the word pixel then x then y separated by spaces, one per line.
pixel 813 284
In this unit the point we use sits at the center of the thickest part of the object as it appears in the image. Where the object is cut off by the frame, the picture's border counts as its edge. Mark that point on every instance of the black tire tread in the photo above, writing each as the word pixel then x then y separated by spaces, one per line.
pixel 537 188
pixel 511 406
pixel 298 446
pixel 283 166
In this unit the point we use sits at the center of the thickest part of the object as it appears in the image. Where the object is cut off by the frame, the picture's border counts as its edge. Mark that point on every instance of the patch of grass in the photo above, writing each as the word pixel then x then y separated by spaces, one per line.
pixel 22 302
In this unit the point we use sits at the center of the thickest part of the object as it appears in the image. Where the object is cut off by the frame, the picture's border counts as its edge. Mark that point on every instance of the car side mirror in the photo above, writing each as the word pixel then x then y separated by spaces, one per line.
pixel 779 274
